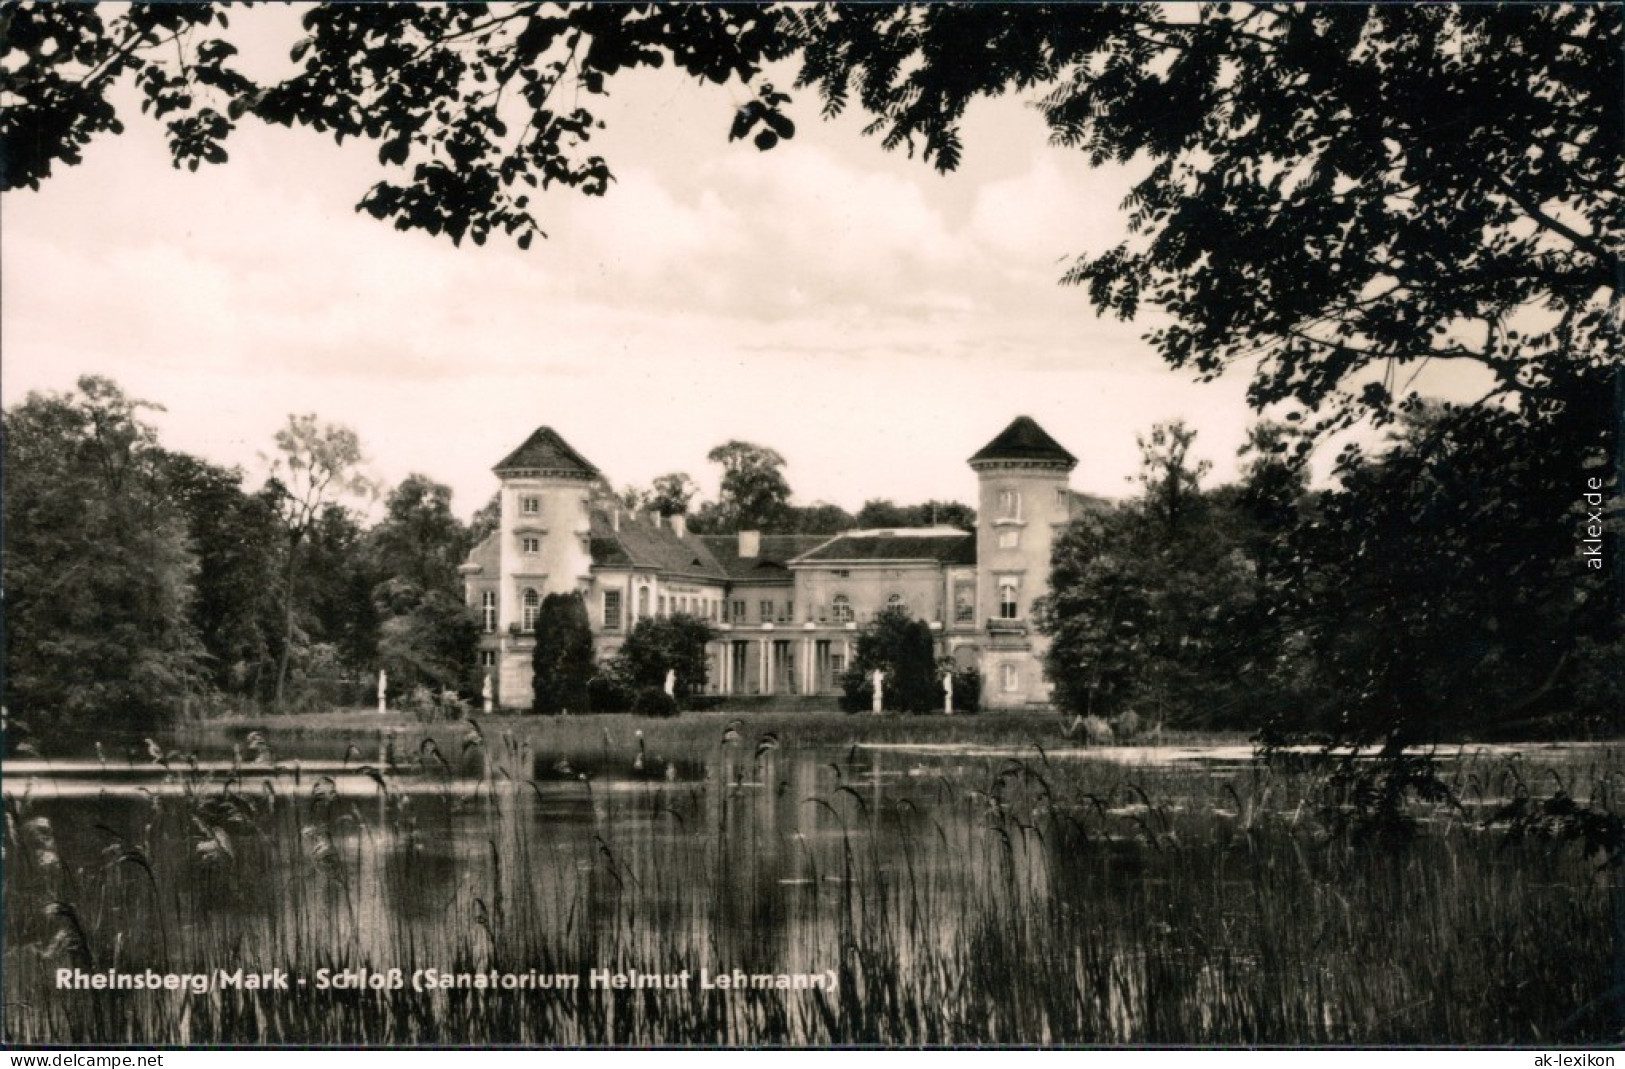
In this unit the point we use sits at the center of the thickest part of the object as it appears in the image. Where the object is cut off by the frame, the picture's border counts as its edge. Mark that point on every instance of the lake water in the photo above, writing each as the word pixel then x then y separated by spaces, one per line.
pixel 949 882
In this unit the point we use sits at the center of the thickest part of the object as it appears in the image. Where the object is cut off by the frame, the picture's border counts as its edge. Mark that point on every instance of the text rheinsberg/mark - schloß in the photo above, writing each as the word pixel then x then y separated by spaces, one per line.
pixel 429 980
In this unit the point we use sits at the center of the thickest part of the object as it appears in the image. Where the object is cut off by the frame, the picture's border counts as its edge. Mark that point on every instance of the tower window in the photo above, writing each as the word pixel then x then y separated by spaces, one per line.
pixel 1009 504
pixel 1007 598
pixel 532 605
pixel 1010 538
pixel 530 547
pixel 488 610
pixel 530 506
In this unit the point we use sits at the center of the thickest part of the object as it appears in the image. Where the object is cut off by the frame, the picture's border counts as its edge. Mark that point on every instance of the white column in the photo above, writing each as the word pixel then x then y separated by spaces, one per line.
pixel 761 668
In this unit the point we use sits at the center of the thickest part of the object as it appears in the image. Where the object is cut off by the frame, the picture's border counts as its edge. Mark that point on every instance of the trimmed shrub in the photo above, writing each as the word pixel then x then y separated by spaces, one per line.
pixel 652 701
pixel 607 693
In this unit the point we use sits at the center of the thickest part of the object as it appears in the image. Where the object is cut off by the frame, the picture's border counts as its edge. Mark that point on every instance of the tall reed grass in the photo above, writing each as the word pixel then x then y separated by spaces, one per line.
pixel 1024 901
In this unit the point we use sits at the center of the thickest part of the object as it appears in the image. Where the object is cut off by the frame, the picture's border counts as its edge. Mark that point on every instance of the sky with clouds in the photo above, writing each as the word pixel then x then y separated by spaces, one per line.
pixel 872 320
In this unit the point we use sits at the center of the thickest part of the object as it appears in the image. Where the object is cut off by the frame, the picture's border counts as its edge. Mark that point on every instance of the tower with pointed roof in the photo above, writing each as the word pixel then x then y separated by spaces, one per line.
pixel 1023 502
pixel 543 544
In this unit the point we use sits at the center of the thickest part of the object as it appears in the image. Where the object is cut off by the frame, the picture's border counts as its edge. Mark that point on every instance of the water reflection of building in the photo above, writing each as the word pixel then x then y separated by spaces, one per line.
pixel 786 608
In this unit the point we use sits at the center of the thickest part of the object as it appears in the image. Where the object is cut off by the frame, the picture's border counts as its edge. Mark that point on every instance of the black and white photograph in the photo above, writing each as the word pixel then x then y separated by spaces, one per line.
pixel 804 525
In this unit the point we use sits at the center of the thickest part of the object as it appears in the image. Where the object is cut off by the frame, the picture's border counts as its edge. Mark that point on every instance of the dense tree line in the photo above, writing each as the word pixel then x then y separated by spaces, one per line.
pixel 141 582
pixel 1436 591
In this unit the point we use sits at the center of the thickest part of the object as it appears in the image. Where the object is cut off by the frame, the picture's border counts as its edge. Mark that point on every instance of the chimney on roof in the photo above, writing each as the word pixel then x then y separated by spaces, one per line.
pixel 654 518
pixel 679 524
pixel 750 544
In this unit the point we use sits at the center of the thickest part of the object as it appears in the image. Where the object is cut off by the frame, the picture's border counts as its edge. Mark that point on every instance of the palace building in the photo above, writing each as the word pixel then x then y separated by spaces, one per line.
pixel 786 608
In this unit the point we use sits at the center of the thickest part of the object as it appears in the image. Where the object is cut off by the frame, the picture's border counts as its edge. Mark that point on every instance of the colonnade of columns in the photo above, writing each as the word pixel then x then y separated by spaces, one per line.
pixel 757 672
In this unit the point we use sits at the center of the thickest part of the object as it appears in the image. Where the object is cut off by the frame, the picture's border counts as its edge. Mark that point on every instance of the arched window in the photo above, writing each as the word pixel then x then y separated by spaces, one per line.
pixel 533 604
pixel 894 602
pixel 488 610
pixel 841 609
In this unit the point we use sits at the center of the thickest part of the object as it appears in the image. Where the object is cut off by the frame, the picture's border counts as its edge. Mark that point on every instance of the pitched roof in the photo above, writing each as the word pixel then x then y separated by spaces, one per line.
pixel 1083 504
pixel 544 450
pixel 484 557
pixel 642 544
pixel 771 560
pixel 944 545
pixel 1024 439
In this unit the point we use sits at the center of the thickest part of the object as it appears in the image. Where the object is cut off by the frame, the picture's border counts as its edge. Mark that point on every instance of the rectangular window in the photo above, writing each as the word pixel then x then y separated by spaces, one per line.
pixel 530 546
pixel 964 601
pixel 1007 599
pixel 767 611
pixel 1009 682
pixel 1063 501
pixel 488 658
pixel 842 573
pixel 1010 538
pixel 790 612
pixel 488 611
pixel 1009 504
pixel 662 605
pixel 612 610
pixel 739 612
pixel 530 506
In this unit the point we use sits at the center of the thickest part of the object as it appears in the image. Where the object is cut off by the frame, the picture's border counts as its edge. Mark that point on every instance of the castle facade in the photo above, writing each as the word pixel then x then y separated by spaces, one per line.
pixel 785 608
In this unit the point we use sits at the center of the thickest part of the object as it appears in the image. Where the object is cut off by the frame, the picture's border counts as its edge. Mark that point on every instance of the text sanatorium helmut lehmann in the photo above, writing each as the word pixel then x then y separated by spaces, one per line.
pixel 442 980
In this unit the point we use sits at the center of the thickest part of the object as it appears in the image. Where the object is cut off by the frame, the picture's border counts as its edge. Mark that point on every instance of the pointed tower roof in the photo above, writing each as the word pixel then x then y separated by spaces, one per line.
pixel 1024 442
pixel 545 453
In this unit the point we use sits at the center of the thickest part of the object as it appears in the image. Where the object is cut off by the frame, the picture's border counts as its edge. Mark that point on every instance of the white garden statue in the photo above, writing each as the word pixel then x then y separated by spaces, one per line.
pixel 879 679
pixel 383 691
pixel 947 694
pixel 486 693
pixel 671 682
